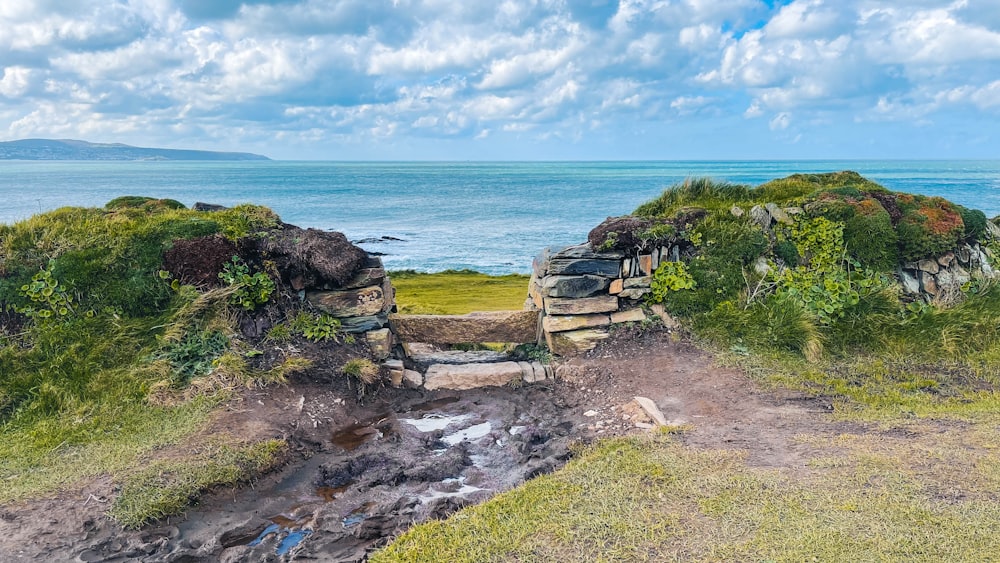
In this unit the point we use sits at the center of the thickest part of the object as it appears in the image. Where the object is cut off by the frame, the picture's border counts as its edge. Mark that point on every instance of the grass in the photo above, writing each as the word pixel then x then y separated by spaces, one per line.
pixel 168 487
pixel 75 391
pixel 651 499
pixel 457 292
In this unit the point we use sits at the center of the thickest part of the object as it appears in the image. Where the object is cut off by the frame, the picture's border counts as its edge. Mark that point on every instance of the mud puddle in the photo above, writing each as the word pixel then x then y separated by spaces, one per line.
pixel 415 459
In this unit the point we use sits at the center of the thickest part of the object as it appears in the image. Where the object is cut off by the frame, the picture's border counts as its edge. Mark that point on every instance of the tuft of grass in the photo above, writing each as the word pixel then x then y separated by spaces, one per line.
pixel 362 369
pixel 165 488
pixel 456 292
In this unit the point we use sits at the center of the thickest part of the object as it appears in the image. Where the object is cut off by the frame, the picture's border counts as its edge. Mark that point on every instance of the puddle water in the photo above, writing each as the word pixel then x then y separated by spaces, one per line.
pixel 272 529
pixel 357 515
pixel 355 435
pixel 454 488
pixel 329 494
pixel 470 433
pixel 432 422
pixel 433 405
pixel 293 539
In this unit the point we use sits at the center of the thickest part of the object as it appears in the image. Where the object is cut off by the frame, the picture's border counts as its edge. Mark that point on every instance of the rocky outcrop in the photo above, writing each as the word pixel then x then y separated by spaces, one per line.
pixel 311 258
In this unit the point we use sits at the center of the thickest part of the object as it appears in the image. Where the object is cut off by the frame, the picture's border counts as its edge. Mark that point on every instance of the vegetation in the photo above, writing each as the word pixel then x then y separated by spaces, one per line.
pixel 457 292
pixel 166 488
pixel 95 342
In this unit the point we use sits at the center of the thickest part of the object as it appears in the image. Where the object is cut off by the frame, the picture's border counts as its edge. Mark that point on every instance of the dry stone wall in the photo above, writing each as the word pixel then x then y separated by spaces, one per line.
pixel 581 292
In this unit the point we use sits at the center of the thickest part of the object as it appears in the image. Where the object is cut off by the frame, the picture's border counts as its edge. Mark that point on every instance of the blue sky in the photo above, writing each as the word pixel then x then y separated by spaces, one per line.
pixel 509 79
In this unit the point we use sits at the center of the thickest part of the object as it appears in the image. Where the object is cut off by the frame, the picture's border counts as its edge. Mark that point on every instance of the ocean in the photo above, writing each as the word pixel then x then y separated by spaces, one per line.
pixel 431 216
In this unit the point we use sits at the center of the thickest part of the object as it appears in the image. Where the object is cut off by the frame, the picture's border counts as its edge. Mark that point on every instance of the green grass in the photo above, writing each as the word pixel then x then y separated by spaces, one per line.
pixel 651 499
pixel 457 292
pixel 168 487
pixel 75 391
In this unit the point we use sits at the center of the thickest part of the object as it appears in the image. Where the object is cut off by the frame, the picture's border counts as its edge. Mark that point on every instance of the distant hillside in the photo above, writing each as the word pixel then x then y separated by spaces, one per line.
pixel 66 149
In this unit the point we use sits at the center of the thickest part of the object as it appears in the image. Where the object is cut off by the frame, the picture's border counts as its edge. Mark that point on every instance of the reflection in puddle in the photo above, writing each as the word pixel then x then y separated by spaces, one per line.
pixel 470 433
pixel 293 539
pixel 358 515
pixel 453 488
pixel 355 435
pixel 432 422
pixel 432 405
pixel 329 494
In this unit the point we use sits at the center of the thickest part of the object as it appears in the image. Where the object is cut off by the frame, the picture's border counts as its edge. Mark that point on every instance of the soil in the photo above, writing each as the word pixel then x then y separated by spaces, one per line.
pixel 361 472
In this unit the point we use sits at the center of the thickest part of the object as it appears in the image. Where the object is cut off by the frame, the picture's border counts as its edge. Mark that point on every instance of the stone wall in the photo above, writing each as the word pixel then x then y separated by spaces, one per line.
pixel 942 278
pixel 580 292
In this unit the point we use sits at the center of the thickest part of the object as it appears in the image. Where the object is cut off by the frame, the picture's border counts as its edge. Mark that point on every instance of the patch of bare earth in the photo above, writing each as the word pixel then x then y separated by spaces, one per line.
pixel 361 472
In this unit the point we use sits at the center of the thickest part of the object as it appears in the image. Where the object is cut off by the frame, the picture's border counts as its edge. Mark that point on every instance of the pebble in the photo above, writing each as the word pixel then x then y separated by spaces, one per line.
pixel 590 413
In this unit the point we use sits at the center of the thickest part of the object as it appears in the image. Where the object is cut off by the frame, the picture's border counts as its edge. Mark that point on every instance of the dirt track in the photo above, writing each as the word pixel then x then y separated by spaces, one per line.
pixel 362 473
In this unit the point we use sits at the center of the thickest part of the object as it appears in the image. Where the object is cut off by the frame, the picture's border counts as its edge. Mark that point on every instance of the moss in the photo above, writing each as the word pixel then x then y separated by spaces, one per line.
pixel 929 227
pixel 974 221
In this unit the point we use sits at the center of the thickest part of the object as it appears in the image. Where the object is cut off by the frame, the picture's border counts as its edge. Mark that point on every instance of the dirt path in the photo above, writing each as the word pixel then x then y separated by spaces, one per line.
pixel 362 473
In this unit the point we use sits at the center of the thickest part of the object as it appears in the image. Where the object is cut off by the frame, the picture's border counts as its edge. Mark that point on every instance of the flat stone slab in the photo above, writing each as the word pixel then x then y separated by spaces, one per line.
pixel 471 376
pixel 560 323
pixel 585 306
pixel 571 266
pixel 518 327
pixel 364 302
pixel 574 286
pixel 574 341
pixel 456 357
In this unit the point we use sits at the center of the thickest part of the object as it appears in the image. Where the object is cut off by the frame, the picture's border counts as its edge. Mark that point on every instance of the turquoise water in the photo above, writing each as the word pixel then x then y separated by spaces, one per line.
pixel 491 217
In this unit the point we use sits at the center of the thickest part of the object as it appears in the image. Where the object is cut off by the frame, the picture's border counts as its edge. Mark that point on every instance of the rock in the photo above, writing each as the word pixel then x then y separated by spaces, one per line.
pixel 380 343
pixel 963 254
pixel 909 282
pixel 760 216
pixel 396 378
pixel 569 371
pixel 574 341
pixel 367 276
pixel 621 233
pixel 572 266
pixel 591 413
pixel 318 258
pixel 946 259
pixel 638 282
pixel 349 303
pixel 585 250
pixel 199 206
pixel 413 378
pixel 616 286
pixel 494 326
pixel 587 305
pixel 393 364
pixel 535 293
pixel 540 264
pixel 736 211
pixel 778 214
pixel 634 293
pixel 559 323
pixel 644 425
pixel 993 230
pixel 927 283
pixel 630 316
pixel 355 325
pixel 457 357
pixel 574 286
pixel 646 264
pixel 761 266
pixel 794 210
pixel 650 408
pixel 471 376
pixel 929 266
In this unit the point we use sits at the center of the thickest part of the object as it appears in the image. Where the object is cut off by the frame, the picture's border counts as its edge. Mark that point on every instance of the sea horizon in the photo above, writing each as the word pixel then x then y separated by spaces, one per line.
pixel 487 215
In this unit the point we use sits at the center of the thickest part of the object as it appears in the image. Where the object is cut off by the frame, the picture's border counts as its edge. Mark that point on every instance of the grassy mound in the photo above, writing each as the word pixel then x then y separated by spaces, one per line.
pixel 104 358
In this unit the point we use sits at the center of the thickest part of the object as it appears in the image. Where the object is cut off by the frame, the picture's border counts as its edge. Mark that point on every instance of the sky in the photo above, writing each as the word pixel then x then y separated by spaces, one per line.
pixel 509 79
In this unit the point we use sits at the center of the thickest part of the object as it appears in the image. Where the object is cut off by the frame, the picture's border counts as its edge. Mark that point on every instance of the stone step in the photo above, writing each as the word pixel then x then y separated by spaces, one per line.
pixel 469 375
pixel 454 357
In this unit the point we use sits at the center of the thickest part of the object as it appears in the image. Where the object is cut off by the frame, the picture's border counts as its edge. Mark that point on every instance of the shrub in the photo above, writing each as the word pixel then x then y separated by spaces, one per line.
pixel 868 231
pixel 974 221
pixel 929 227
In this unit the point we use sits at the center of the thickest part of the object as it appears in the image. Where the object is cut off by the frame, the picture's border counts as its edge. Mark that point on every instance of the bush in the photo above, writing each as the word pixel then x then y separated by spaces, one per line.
pixel 929 227
pixel 974 221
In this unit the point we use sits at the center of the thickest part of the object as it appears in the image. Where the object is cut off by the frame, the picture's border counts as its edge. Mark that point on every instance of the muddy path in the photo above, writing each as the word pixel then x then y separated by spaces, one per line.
pixel 359 474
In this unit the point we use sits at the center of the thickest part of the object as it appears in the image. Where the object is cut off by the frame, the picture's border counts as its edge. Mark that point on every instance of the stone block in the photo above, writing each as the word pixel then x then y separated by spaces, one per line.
pixel 493 326
pixel 626 270
pixel 380 343
pixel 616 286
pixel 587 305
pixel 366 277
pixel 929 266
pixel 946 259
pixel 584 251
pixel 363 302
pixel 356 325
pixel 574 341
pixel 650 408
pixel 644 281
pixel 572 266
pixel 927 283
pixel 413 378
pixel 736 211
pixel 778 214
pixel 471 376
pixel 558 323
pixel 630 316
pixel 909 282
pixel 574 286
pixel 634 293
pixel 646 264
